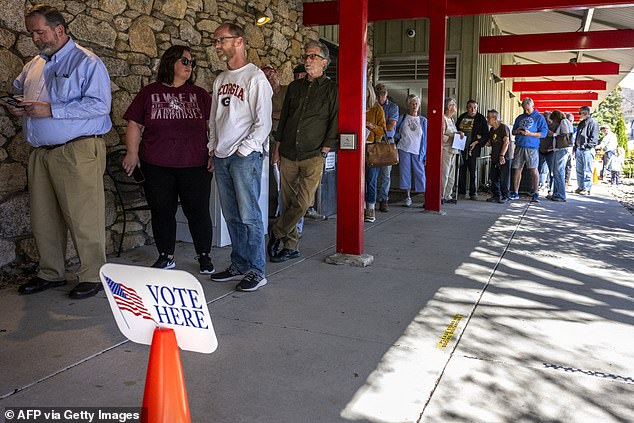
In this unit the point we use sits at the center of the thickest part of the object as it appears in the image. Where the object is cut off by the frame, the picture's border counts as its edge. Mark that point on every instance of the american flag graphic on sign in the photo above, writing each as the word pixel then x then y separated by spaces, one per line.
pixel 127 299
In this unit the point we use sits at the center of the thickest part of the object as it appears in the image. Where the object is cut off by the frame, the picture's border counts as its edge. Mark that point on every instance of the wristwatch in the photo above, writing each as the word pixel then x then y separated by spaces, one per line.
pixel 324 154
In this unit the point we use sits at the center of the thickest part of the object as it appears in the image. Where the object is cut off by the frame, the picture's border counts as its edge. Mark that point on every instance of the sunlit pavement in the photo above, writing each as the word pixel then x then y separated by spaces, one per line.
pixel 489 313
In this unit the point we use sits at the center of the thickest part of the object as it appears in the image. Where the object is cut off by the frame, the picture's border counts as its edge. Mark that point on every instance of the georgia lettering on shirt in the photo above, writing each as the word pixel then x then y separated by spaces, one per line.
pixel 175 106
pixel 232 89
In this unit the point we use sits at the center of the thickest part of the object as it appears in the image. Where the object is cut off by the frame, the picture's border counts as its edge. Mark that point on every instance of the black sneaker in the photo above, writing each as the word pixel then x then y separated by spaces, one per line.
pixel 251 282
pixel 231 273
pixel 164 262
pixel 206 266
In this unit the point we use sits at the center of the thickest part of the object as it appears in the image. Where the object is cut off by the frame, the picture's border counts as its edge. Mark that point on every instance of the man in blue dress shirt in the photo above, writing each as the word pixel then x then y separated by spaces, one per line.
pixel 65 110
pixel 391 117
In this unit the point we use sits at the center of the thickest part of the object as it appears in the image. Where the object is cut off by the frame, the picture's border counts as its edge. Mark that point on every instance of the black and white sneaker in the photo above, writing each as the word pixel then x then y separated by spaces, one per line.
pixel 164 262
pixel 206 266
pixel 231 273
pixel 251 282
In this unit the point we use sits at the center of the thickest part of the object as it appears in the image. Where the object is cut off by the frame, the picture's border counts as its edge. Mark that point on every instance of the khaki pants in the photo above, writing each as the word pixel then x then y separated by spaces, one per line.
pixel 448 171
pixel 300 180
pixel 66 193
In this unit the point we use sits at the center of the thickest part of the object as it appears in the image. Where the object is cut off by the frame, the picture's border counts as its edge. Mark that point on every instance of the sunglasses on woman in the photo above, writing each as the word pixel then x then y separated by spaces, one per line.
pixel 186 62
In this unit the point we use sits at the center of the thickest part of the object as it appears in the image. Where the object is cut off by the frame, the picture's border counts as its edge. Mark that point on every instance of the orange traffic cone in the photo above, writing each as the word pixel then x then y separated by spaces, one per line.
pixel 165 397
pixel 595 175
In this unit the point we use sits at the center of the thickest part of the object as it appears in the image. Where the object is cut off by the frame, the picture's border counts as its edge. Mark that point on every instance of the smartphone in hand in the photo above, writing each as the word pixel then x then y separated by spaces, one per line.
pixel 137 175
pixel 12 101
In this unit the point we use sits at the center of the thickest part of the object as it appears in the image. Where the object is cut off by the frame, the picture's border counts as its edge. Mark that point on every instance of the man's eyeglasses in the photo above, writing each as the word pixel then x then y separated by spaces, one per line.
pixel 186 62
pixel 312 56
pixel 221 40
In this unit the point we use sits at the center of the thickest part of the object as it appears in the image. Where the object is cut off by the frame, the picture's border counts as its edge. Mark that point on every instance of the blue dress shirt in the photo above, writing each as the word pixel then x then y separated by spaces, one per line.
pixel 76 84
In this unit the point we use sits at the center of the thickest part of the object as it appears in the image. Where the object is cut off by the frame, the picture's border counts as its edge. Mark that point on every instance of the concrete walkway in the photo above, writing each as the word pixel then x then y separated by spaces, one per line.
pixel 489 313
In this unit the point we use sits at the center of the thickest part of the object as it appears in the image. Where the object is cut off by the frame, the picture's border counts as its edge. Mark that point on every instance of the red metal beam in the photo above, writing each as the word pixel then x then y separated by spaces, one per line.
pixel 435 101
pixel 561 97
pixel 566 86
pixel 489 7
pixel 326 12
pixel 562 104
pixel 353 41
pixel 559 69
pixel 560 41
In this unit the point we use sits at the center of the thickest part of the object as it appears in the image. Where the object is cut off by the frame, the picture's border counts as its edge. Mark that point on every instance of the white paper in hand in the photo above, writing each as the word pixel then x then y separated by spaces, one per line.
pixel 459 142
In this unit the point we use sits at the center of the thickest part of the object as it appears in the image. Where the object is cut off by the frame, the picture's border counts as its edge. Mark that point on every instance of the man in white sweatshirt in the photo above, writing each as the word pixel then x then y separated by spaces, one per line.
pixel 239 127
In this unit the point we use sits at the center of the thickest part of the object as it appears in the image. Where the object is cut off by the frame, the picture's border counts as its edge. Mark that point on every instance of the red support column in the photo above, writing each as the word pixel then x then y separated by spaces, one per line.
pixel 435 101
pixel 353 40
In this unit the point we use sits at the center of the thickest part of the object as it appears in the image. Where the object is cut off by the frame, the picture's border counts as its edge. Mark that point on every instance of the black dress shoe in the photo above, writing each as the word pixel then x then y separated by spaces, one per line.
pixel 284 255
pixel 273 246
pixel 37 284
pixel 85 290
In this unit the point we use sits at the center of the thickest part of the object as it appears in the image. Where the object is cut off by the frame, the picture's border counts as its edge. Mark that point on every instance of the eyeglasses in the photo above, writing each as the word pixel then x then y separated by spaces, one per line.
pixel 312 56
pixel 185 62
pixel 221 40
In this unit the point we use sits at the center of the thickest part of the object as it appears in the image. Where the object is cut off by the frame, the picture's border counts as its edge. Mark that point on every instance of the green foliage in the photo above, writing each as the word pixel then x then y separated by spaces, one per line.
pixel 610 110
pixel 621 134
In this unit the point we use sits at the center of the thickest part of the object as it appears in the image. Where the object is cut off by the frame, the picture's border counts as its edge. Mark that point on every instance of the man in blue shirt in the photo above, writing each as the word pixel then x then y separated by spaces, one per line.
pixel 65 110
pixel 528 128
pixel 391 117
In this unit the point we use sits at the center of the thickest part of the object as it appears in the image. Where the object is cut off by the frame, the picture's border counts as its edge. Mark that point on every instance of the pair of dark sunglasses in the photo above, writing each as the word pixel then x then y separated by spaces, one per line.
pixel 186 62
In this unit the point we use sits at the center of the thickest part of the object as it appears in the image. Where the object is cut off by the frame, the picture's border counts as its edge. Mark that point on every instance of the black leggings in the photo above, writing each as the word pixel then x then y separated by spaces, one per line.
pixel 163 188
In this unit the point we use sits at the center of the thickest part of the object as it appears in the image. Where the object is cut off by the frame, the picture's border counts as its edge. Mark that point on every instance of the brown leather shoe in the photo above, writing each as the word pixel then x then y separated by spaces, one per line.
pixel 37 284
pixel 383 207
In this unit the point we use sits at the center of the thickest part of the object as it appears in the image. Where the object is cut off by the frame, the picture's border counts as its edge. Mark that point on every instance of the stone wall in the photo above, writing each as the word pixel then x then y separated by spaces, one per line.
pixel 129 36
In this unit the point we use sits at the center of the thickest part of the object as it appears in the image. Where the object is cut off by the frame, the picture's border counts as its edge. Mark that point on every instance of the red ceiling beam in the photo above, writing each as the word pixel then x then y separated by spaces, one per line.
pixel 559 69
pixel 562 104
pixel 559 41
pixel 327 12
pixel 490 7
pixel 559 85
pixel 561 97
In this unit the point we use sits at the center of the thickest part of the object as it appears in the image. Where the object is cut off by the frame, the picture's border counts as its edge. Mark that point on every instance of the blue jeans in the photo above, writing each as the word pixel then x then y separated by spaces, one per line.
pixel 371 176
pixel 584 160
pixel 239 180
pixel 501 179
pixel 559 173
pixel 384 182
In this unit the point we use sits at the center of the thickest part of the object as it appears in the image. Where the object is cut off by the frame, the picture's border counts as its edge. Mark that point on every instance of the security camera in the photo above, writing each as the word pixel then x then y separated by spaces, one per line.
pixel 411 33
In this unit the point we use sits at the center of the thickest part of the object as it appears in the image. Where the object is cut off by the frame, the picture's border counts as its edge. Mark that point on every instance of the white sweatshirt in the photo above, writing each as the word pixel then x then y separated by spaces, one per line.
pixel 241 109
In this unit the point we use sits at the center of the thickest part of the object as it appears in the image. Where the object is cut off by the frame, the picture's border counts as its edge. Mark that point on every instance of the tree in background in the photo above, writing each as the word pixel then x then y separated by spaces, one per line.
pixel 610 110
pixel 621 134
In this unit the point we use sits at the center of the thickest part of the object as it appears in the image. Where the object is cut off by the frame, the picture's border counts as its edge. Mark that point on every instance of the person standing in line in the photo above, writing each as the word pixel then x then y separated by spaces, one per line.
pixel 307 132
pixel 571 119
pixel 166 138
pixel 390 110
pixel 474 125
pixel 561 143
pixel 239 128
pixel 279 92
pixel 448 152
pixel 585 142
pixel 528 128
pixel 608 144
pixel 411 132
pixel 66 110
pixel 501 158
pixel 375 129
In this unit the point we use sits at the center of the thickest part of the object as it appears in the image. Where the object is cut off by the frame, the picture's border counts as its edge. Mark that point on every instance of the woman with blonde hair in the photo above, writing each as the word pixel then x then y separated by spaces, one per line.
pixel 449 153
pixel 375 130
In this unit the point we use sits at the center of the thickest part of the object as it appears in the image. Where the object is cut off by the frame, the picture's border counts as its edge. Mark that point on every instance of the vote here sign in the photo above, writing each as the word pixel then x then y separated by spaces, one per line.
pixel 143 298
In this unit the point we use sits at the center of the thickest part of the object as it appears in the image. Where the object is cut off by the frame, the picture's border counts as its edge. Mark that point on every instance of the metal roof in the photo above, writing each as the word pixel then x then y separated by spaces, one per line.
pixel 571 20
